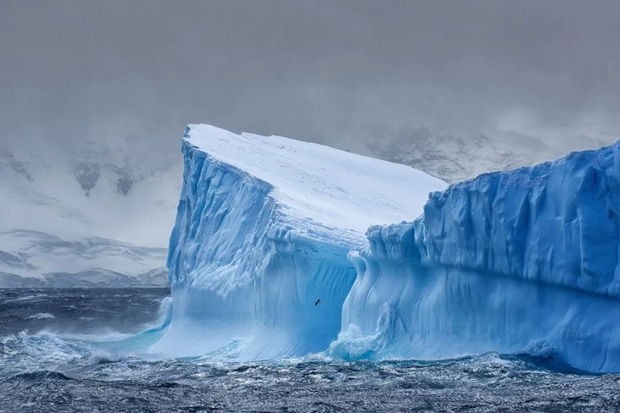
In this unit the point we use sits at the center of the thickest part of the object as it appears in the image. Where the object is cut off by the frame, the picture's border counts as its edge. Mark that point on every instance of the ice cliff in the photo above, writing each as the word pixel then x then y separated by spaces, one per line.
pixel 518 261
pixel 263 229
pixel 524 261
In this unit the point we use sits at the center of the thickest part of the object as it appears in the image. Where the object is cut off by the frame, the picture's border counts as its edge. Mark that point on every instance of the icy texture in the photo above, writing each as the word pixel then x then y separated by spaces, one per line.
pixel 263 229
pixel 518 261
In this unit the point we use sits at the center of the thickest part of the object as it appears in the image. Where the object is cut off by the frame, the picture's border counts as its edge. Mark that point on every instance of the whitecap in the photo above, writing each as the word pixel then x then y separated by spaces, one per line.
pixel 40 316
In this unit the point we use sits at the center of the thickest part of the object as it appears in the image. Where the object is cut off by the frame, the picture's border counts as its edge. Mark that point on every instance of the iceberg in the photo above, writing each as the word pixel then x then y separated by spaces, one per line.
pixel 263 230
pixel 524 261
pixel 286 248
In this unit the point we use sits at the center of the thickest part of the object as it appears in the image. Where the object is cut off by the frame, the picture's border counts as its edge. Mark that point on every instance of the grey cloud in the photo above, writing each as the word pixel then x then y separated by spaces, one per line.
pixel 330 71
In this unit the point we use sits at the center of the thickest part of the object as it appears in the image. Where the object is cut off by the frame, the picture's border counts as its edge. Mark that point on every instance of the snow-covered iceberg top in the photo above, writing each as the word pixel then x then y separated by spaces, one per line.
pixel 320 185
pixel 258 254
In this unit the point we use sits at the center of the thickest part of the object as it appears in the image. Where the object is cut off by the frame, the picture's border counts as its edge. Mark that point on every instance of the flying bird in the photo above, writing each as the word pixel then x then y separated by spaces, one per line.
pixel 317 302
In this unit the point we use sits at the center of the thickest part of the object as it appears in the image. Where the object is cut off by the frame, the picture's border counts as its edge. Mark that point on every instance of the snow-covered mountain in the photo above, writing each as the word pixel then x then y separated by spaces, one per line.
pixel 454 157
pixel 89 191
pixel 84 196
pixel 36 259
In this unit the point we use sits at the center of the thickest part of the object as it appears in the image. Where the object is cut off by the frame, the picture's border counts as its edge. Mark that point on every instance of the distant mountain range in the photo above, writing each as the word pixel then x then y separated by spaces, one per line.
pixel 454 158
pixel 90 191
pixel 37 259
pixel 85 216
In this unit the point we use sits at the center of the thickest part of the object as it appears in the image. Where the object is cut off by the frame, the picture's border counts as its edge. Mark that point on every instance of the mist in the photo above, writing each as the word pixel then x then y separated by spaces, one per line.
pixel 343 73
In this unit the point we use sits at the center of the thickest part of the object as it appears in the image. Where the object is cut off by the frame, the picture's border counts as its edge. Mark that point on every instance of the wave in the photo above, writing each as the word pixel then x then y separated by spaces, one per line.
pixel 40 316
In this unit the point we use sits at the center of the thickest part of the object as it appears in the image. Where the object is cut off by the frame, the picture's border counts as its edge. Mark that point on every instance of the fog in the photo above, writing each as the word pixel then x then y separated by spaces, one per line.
pixel 338 72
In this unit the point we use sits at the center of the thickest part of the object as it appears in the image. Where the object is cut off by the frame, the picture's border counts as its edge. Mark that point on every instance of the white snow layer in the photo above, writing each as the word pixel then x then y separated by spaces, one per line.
pixel 333 188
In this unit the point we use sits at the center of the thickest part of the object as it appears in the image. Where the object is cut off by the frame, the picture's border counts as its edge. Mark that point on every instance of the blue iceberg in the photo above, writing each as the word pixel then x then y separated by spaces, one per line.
pixel 286 248
pixel 263 230
pixel 523 261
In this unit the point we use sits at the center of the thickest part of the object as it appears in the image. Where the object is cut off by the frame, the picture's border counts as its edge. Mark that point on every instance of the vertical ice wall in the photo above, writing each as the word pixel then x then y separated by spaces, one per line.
pixel 263 228
pixel 518 261
pixel 243 284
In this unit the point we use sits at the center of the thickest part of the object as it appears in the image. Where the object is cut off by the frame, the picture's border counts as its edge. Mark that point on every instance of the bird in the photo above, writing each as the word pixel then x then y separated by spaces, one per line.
pixel 317 302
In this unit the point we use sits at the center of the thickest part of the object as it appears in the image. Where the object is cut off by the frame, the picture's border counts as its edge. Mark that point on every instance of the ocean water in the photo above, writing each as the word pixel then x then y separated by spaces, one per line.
pixel 82 350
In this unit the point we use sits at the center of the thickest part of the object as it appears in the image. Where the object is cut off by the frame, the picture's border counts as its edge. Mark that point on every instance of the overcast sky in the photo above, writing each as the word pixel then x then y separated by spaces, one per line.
pixel 331 71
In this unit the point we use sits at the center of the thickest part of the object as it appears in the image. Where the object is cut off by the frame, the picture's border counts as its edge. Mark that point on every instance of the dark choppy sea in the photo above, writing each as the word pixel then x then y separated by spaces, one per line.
pixel 57 354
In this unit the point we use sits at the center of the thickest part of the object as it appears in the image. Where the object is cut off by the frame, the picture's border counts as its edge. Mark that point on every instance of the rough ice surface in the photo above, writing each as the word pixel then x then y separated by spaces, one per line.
pixel 518 261
pixel 524 261
pixel 263 229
